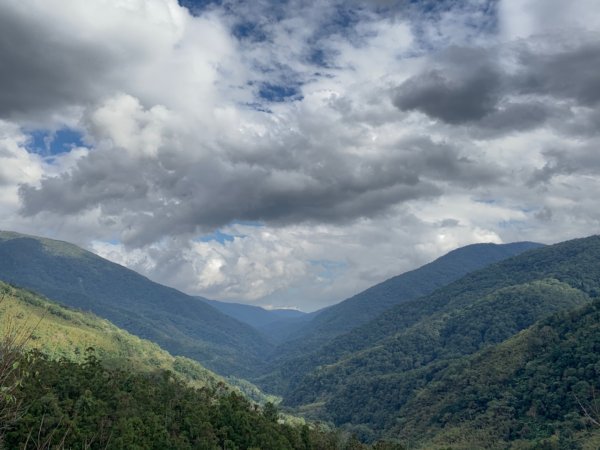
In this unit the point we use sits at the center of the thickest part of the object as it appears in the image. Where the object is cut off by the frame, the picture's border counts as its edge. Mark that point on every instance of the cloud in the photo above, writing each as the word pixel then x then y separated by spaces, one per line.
pixel 562 71
pixel 158 178
pixel 506 87
pixel 296 266
pixel 61 54
pixel 467 89
pixel 359 139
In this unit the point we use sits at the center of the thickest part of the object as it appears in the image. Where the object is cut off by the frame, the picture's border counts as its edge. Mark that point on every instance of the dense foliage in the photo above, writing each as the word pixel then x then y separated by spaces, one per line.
pixel 138 396
pixel 507 357
pixel 86 405
pixel 362 378
pixel 368 387
pixel 181 324
pixel 540 389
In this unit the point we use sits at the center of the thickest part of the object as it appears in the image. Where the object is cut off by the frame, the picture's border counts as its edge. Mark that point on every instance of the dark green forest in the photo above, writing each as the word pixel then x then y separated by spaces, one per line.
pixel 85 405
pixel 539 389
pixel 367 305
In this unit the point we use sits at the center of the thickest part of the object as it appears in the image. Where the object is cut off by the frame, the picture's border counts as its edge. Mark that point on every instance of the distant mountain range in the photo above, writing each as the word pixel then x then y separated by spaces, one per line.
pixel 262 319
pixel 232 339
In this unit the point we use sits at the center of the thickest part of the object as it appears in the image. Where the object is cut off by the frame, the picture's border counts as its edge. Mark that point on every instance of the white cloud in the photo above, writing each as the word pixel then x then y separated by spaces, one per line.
pixel 524 18
pixel 350 183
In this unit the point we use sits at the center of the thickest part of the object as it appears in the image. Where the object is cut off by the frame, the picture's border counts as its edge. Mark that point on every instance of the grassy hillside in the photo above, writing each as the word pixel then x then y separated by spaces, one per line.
pixel 363 377
pixel 63 333
pixel 367 305
pixel 532 391
pixel 181 324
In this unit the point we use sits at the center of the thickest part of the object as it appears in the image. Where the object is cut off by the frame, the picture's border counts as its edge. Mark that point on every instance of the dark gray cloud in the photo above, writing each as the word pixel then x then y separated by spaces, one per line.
pixel 453 101
pixel 277 187
pixel 467 89
pixel 583 159
pixel 473 86
pixel 569 73
pixel 42 68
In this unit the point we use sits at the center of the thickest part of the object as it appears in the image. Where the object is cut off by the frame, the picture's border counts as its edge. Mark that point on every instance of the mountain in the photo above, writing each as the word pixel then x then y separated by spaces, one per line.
pixel 124 392
pixel 296 355
pixel 59 332
pixel 255 316
pixel 181 324
pixel 280 331
pixel 363 377
pixel 540 386
pixel 365 306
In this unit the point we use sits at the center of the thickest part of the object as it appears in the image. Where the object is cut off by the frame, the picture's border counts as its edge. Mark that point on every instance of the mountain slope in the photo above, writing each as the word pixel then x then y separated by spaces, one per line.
pixel 367 305
pixel 179 323
pixel 60 332
pixel 364 376
pixel 63 333
pixel 367 387
pixel 537 386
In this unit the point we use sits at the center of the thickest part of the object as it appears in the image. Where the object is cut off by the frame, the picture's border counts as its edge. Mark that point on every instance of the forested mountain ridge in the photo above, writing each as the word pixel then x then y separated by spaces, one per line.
pixel 491 360
pixel 367 387
pixel 538 389
pixel 179 323
pixel 367 374
pixel 370 303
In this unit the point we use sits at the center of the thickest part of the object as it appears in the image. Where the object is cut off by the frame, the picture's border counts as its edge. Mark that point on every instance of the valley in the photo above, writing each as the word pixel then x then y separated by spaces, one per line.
pixel 422 360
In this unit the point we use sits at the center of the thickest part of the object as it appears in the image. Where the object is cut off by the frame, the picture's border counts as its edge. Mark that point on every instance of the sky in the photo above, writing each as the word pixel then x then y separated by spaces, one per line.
pixel 293 153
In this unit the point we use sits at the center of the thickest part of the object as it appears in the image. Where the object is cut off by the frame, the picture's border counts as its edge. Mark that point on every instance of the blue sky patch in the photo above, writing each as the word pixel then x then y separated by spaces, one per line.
pixel 279 92
pixel 51 143
pixel 249 31
pixel 218 236
pixel 195 7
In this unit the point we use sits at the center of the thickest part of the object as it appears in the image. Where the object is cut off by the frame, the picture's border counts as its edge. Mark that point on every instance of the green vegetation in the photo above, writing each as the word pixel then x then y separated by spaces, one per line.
pixel 507 357
pixel 367 387
pixel 61 395
pixel 363 378
pixel 59 332
pixel 367 305
pixel 86 405
pixel 539 389
pixel 181 324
